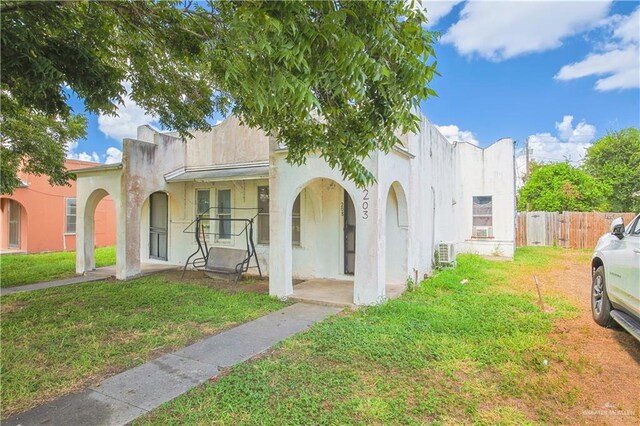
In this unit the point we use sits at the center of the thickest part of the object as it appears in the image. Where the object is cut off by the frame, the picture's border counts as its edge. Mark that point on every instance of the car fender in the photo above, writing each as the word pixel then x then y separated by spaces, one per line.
pixel 606 244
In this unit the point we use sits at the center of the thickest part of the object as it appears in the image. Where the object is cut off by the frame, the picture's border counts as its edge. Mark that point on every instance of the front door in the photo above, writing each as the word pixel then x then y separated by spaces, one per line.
pixel 349 235
pixel 158 221
pixel 14 224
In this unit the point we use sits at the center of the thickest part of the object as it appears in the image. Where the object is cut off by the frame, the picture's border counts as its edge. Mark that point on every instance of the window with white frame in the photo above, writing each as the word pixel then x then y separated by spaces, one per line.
pixel 70 210
pixel 224 214
pixel 203 203
pixel 482 217
pixel 263 215
pixel 263 218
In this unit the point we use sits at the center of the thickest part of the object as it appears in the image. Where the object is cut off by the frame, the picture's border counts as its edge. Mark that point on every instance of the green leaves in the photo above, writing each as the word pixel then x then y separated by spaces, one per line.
pixel 338 78
pixel 614 160
pixel 35 142
pixel 609 180
pixel 560 187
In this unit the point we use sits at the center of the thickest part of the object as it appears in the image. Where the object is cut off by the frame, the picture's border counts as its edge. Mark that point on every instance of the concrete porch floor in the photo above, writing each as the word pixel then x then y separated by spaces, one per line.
pixel 334 292
pixel 145 269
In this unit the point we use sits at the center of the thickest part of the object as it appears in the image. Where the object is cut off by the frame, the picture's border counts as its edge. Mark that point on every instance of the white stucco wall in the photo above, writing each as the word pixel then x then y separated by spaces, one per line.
pixel 432 196
pixel 285 182
pixel 491 172
pixel 227 143
pixel 422 196
pixel 91 187
pixel 321 250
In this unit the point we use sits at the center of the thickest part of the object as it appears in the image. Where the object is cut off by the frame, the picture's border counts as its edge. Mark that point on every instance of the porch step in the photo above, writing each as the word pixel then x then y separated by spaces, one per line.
pixel 322 302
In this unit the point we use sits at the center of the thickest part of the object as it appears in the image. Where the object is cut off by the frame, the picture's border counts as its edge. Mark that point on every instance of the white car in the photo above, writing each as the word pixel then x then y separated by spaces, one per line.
pixel 615 270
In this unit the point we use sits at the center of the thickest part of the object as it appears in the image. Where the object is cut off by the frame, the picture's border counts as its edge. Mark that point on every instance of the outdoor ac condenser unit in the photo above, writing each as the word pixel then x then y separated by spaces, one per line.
pixel 446 254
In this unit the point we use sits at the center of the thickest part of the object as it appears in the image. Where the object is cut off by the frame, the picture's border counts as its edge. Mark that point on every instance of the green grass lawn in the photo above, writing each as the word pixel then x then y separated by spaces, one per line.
pixel 447 353
pixel 22 269
pixel 60 340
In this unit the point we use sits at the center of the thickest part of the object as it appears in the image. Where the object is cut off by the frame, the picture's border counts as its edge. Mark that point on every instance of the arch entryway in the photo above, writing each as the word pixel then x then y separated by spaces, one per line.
pixel 86 233
pixel 15 223
pixel 396 237
pixel 323 223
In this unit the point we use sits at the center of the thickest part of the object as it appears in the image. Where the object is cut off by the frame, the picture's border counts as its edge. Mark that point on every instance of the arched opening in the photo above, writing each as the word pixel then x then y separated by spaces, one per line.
pixel 323 224
pixel 15 223
pixel 154 227
pixel 396 233
pixel 99 228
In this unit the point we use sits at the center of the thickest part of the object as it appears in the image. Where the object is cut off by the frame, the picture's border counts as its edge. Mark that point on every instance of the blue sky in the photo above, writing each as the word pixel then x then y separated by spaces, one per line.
pixel 561 74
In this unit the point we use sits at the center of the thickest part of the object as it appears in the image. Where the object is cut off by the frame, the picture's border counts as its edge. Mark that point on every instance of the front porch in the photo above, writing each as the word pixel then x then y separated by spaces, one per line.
pixel 330 292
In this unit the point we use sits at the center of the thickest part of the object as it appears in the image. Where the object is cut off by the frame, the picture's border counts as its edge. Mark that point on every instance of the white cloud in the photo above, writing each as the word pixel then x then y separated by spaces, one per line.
pixel 126 123
pixel 582 133
pixel 629 29
pixel 545 148
pixel 82 156
pixel 502 30
pixel 114 155
pixel 570 144
pixel 454 134
pixel 618 64
pixel 437 9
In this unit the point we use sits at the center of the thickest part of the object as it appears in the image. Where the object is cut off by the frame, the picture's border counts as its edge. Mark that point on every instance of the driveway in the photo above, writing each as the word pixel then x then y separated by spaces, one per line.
pixel 609 359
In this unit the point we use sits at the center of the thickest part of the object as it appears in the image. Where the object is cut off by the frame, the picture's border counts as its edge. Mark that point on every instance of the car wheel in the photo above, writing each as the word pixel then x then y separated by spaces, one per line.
pixel 600 305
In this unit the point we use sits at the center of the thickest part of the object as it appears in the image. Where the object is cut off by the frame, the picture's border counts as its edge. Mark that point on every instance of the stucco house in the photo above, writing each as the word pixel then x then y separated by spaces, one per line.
pixel 40 217
pixel 309 223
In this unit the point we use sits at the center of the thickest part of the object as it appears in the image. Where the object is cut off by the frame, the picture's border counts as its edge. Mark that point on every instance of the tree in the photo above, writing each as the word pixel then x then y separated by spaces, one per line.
pixel 42 140
pixel 614 160
pixel 339 78
pixel 560 187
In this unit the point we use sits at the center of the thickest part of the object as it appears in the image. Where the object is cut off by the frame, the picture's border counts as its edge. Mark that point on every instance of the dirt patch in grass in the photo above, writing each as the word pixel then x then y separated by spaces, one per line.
pixel 604 363
pixel 10 307
pixel 248 283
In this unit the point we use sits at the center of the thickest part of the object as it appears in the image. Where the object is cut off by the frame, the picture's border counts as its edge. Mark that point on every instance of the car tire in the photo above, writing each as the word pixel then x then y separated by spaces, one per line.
pixel 600 304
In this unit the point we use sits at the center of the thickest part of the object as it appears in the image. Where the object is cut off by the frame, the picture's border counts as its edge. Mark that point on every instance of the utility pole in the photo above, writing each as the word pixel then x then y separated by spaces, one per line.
pixel 526 153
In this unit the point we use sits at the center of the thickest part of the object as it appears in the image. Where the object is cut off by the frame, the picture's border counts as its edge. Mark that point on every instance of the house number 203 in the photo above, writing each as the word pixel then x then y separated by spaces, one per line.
pixel 365 204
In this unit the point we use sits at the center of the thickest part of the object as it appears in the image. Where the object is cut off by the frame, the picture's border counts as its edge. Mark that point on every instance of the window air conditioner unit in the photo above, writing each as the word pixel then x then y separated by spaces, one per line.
pixel 482 231
pixel 446 254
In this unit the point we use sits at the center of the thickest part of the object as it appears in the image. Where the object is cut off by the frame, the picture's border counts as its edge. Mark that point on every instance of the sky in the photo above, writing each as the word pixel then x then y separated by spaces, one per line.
pixel 558 74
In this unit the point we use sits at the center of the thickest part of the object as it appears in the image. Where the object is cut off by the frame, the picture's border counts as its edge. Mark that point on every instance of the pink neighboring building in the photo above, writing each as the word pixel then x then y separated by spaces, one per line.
pixel 39 217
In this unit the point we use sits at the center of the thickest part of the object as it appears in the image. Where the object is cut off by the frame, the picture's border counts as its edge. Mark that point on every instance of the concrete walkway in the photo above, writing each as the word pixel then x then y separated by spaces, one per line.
pixel 128 395
pixel 95 275
pixel 91 276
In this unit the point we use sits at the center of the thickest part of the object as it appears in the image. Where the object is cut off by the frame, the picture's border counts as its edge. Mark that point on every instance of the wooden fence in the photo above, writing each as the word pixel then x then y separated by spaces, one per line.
pixel 566 229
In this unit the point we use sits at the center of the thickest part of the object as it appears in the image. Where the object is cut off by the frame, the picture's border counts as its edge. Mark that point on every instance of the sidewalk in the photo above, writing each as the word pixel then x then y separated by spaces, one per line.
pixel 124 397
pixel 90 276
pixel 97 274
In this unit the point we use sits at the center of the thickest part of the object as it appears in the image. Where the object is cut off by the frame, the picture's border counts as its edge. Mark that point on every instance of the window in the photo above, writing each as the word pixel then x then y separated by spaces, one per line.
pixel 224 214
pixel 263 218
pixel 482 217
pixel 263 215
pixel 295 222
pixel 634 229
pixel 203 197
pixel 70 207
